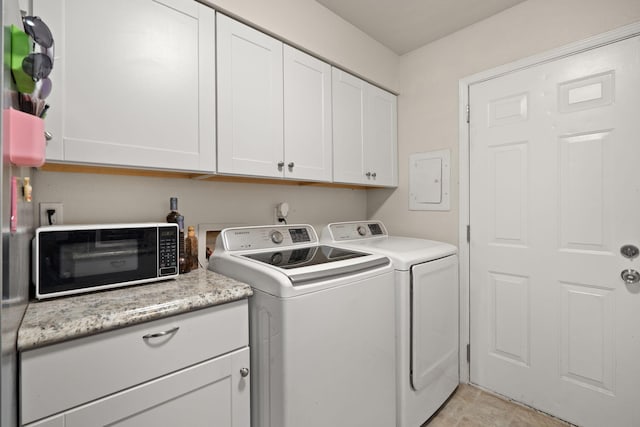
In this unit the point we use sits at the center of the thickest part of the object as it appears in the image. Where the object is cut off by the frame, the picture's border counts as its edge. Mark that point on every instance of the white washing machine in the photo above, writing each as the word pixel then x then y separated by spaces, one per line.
pixel 426 274
pixel 322 333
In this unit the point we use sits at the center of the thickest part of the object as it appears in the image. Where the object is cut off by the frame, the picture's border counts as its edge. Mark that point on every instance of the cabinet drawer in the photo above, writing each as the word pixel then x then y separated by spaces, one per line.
pixel 62 376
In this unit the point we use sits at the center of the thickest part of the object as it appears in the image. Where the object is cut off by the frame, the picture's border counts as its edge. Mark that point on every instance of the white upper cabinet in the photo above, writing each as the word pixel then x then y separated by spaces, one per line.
pixel 133 83
pixel 250 98
pixel 274 107
pixel 364 132
pixel 307 117
pixel 381 137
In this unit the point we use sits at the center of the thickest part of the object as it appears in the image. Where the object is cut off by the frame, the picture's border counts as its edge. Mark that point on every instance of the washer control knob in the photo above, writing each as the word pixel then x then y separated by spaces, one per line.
pixel 276 237
pixel 362 230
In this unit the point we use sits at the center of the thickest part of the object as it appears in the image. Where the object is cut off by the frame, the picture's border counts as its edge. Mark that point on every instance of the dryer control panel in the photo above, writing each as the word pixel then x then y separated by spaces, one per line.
pixel 356 230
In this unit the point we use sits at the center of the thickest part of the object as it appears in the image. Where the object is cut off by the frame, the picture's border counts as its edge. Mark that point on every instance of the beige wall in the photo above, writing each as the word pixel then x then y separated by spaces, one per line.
pixel 90 198
pixel 429 76
pixel 312 27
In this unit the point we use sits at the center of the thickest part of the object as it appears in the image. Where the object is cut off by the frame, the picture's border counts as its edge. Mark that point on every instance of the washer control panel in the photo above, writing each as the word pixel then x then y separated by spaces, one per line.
pixel 266 237
pixel 341 231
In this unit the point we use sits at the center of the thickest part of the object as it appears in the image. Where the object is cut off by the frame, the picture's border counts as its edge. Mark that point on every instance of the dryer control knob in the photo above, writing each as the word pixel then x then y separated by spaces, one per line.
pixel 276 237
pixel 362 230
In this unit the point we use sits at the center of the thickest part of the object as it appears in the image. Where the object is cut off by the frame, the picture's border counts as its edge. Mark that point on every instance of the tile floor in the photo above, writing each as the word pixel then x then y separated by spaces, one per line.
pixel 471 407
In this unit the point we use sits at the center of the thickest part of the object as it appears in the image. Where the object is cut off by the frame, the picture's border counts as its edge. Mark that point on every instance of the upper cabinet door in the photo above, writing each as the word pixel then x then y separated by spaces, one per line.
pixel 348 128
pixel 250 101
pixel 133 83
pixel 307 117
pixel 364 132
pixel 380 135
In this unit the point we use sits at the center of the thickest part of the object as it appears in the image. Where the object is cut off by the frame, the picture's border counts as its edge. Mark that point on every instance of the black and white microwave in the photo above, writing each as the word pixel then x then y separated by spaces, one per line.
pixel 72 259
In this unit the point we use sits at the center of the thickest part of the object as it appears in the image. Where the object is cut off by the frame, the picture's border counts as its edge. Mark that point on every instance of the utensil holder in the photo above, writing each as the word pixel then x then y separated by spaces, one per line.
pixel 24 142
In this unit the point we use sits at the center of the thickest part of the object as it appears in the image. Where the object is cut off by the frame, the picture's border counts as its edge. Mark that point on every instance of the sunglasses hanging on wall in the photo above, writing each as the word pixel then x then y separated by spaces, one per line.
pixel 32 55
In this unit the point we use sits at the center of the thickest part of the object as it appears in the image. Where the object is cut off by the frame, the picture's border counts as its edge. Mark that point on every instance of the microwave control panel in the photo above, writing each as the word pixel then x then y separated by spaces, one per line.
pixel 168 250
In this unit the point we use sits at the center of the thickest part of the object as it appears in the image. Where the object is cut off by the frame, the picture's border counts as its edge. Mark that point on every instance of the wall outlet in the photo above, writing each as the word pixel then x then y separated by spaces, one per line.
pixel 51 214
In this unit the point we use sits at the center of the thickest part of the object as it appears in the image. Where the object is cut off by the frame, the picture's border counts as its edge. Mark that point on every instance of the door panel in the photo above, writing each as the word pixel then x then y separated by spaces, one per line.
pixel 128 102
pixel 250 100
pixel 307 117
pixel 348 98
pixel 553 196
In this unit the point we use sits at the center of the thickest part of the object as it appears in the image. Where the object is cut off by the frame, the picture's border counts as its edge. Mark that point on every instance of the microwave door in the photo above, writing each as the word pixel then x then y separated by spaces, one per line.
pixel 77 260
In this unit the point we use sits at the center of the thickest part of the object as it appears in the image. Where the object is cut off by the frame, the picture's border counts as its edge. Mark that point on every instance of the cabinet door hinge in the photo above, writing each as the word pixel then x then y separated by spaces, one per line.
pixel 468 113
pixel 468 353
pixel 468 234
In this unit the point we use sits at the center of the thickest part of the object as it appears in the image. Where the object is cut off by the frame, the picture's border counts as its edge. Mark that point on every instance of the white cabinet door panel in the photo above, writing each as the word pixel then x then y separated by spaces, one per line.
pixel 380 134
pixel 207 394
pixel 348 128
pixel 307 117
pixel 134 87
pixel 250 100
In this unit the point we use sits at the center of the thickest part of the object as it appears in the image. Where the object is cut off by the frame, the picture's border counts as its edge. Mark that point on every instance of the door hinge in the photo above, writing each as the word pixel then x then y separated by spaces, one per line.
pixel 468 113
pixel 468 353
pixel 468 234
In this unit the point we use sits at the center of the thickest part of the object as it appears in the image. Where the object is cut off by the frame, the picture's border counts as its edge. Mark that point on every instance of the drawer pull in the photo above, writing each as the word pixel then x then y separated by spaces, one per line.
pixel 244 372
pixel 161 334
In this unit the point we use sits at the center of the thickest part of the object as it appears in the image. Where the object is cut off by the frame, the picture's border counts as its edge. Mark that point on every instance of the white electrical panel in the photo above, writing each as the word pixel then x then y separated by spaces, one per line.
pixel 429 176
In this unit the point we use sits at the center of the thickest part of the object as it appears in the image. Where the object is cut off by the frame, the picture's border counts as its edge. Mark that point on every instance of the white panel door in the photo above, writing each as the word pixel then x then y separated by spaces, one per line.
pixel 307 117
pixel 250 100
pixel 134 86
pixel 348 128
pixel 555 193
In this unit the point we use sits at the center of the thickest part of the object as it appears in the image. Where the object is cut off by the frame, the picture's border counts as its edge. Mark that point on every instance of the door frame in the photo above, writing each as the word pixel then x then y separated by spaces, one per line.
pixel 464 249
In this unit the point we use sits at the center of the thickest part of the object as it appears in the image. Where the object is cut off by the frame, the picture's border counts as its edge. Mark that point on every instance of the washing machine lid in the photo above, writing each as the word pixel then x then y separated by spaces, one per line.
pixel 372 237
pixel 303 257
pixel 316 263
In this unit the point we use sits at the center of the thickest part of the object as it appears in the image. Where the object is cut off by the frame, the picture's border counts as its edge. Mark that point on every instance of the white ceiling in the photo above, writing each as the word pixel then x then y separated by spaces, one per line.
pixel 405 25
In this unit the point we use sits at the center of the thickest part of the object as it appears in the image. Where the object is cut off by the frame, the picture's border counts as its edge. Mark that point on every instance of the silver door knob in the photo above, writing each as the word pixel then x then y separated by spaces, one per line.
pixel 244 372
pixel 373 175
pixel 630 276
pixel 368 174
pixel 629 251
pixel 280 164
pixel 291 165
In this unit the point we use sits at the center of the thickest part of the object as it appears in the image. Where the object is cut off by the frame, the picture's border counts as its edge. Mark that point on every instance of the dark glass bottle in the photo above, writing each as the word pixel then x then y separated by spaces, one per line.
pixel 175 217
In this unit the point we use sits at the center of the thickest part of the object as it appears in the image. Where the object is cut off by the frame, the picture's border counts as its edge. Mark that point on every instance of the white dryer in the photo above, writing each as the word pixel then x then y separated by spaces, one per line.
pixel 426 295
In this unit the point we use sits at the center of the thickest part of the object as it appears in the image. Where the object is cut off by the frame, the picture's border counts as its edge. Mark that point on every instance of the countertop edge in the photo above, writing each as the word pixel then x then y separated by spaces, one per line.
pixel 90 314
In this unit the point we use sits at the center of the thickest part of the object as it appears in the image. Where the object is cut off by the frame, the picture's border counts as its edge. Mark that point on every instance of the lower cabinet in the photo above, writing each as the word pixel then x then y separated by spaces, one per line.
pixel 212 392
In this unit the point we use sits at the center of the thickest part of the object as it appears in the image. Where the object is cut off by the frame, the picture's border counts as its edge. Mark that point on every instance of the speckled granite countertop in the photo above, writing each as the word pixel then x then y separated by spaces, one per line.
pixel 61 319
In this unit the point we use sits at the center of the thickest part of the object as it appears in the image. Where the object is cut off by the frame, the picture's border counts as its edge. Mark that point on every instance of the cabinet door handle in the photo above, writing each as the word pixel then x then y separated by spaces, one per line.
pixel 291 165
pixel 373 175
pixel 368 174
pixel 244 372
pixel 280 164
pixel 161 334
